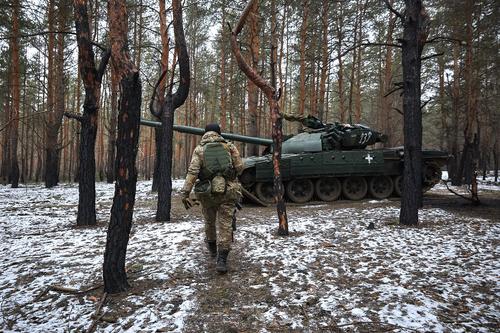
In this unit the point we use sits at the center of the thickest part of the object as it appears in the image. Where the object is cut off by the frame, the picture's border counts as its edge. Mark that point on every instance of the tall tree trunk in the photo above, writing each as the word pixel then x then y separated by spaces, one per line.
pixel 324 58
pixel 114 275
pixel 50 136
pixel 414 36
pixel 387 83
pixel 53 147
pixel 172 102
pixel 456 177
pixel 16 92
pixel 470 152
pixel 112 125
pixel 272 96
pixel 223 93
pixel 160 93
pixel 253 91
pixel 340 71
pixel 302 59
pixel 92 82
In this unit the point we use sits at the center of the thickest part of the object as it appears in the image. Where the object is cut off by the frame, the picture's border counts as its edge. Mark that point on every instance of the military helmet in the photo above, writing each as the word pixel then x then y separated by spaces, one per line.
pixel 214 127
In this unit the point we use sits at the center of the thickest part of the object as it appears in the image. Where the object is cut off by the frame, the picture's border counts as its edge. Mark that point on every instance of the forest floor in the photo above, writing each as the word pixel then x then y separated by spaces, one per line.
pixel 332 274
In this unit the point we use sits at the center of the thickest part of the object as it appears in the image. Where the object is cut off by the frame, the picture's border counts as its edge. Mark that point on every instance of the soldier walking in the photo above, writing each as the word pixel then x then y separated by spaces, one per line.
pixel 214 168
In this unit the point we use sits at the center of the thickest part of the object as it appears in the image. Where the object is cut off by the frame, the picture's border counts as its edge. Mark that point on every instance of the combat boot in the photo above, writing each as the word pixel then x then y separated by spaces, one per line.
pixel 222 261
pixel 212 248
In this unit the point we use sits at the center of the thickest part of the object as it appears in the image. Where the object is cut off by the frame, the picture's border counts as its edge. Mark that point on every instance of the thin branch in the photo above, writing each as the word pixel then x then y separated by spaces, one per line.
pixel 72 115
pixel 19 118
pixel 393 91
pixel 432 56
pixel 445 38
pixel 352 48
pixel 425 103
pixel 41 33
pixel 389 6
pixel 103 64
pixel 398 111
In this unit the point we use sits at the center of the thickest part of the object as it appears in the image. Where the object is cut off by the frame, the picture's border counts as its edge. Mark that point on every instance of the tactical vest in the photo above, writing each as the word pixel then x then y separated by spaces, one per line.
pixel 216 161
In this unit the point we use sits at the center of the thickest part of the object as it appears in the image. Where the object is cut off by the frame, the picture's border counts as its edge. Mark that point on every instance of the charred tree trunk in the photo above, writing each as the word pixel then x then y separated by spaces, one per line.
pixel 114 275
pixel 158 104
pixel 165 162
pixel 172 102
pixel 92 82
pixel 273 96
pixel 110 163
pixel 415 22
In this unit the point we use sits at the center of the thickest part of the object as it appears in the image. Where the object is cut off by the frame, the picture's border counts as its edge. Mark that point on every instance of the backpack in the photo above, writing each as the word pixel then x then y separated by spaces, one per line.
pixel 217 166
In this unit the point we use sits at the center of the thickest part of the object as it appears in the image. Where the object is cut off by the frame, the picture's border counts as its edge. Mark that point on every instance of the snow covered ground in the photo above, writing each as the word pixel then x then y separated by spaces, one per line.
pixel 331 274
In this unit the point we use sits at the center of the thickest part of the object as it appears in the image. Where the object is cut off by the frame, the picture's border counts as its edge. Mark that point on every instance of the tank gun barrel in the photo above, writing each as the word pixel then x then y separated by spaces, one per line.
pixel 201 131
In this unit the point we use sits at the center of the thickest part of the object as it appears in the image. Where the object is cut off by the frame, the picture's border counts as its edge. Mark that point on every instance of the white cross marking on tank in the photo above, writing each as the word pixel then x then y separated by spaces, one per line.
pixel 369 158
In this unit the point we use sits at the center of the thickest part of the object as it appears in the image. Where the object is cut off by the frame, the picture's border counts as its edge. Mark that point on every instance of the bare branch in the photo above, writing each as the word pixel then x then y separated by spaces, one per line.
pixel 41 33
pixel 389 6
pixel 446 39
pixel 398 111
pixel 343 54
pixel 394 90
pixel 432 56
pixel 75 116
pixel 425 103
pixel 103 64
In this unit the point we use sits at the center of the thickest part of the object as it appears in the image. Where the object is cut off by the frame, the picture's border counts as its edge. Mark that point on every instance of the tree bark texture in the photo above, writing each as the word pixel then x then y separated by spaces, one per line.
pixel 114 275
pixel 414 37
pixel 276 119
pixel 110 162
pixel 302 55
pixel 172 102
pixel 16 100
pixel 252 90
pixel 53 127
pixel 92 82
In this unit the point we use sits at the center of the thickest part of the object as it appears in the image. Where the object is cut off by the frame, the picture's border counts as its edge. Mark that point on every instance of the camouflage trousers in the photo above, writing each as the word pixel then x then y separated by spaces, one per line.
pixel 218 224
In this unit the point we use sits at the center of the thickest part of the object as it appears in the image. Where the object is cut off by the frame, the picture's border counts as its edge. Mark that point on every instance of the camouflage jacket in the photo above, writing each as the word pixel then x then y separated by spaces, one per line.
pixel 197 160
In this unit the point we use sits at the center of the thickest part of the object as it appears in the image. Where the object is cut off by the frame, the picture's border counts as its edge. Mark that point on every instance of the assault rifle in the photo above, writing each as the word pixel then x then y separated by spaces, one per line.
pixel 238 207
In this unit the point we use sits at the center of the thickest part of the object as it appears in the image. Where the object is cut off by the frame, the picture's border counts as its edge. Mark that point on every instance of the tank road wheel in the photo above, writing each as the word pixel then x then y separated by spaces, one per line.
pixel 265 192
pixel 300 190
pixel 328 188
pixel 398 185
pixel 381 187
pixel 354 188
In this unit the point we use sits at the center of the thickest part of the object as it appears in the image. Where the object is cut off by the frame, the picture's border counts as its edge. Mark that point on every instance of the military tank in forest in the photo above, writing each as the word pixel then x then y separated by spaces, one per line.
pixel 328 162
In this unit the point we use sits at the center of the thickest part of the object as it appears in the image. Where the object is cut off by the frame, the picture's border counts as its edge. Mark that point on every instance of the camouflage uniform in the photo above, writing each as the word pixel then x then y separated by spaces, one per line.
pixel 218 208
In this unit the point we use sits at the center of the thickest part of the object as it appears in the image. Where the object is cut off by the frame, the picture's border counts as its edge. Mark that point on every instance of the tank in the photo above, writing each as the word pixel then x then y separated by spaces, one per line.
pixel 327 162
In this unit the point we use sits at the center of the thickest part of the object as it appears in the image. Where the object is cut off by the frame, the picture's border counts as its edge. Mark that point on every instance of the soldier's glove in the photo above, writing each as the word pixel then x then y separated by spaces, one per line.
pixel 188 203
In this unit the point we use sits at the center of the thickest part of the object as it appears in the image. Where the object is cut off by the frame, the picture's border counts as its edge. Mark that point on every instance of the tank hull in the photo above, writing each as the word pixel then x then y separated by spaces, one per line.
pixel 334 174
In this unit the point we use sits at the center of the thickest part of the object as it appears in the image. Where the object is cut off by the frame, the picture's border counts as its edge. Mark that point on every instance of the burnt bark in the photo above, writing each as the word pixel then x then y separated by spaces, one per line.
pixel 115 277
pixel 414 37
pixel 91 77
pixel 110 163
pixel 172 102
